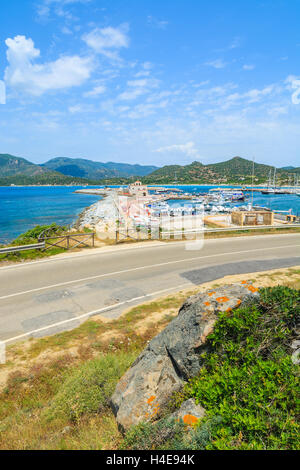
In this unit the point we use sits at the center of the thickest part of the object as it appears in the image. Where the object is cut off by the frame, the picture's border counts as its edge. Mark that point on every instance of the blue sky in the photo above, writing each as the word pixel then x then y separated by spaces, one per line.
pixel 151 81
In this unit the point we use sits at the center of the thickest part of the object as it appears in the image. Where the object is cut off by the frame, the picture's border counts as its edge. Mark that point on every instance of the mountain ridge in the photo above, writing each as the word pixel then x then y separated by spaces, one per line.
pixel 65 170
pixel 86 168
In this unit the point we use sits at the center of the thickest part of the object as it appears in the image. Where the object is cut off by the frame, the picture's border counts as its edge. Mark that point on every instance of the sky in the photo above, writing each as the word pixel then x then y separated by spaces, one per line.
pixel 151 81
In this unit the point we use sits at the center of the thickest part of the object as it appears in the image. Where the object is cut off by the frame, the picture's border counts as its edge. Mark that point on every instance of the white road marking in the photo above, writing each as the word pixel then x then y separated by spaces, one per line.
pixel 160 244
pixel 94 312
pixel 38 289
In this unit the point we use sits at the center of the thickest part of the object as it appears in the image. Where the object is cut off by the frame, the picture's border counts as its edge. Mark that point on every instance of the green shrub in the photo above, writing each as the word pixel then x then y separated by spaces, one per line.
pixel 249 379
pixel 89 388
pixel 32 235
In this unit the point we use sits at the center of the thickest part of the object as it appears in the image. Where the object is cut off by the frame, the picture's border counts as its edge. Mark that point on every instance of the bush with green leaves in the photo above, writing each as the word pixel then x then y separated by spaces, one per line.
pixel 33 235
pixel 249 379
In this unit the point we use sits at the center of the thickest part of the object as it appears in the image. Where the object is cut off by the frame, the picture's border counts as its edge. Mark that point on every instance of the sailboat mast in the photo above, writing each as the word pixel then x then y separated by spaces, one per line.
pixel 252 180
pixel 274 182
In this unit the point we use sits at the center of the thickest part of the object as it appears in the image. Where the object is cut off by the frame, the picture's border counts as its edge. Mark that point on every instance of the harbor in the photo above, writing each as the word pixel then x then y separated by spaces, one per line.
pixel 140 208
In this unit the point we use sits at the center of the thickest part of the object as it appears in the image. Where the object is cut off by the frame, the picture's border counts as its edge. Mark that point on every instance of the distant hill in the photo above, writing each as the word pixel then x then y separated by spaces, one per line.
pixel 17 170
pixel 236 170
pixel 11 166
pixel 84 168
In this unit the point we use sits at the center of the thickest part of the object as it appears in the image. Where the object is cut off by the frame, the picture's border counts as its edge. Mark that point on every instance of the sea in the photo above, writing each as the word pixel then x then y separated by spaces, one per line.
pixel 22 208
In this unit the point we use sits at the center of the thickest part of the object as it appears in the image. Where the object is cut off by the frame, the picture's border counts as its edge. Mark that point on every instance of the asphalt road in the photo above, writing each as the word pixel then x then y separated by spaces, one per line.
pixel 63 291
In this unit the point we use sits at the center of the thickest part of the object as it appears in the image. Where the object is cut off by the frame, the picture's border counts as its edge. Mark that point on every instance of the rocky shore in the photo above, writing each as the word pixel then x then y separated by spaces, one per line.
pixel 100 216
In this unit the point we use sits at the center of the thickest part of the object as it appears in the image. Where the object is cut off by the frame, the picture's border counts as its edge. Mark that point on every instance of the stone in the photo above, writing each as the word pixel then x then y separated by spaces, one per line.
pixel 189 412
pixel 174 355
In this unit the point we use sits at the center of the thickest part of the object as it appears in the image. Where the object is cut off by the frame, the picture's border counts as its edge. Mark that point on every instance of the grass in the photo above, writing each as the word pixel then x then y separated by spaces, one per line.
pixel 62 403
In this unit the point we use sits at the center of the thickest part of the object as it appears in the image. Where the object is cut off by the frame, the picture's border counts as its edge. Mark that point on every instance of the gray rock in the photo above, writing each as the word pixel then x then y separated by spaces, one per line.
pixel 189 412
pixel 173 356
pixel 296 357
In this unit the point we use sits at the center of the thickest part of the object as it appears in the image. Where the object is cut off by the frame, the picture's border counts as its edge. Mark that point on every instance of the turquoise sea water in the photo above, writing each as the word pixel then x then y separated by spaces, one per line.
pixel 22 208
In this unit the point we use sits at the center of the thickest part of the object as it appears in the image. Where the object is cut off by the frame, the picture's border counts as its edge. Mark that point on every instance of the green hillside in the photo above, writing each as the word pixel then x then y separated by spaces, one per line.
pixel 236 170
pixel 11 166
pixel 84 168
pixel 19 171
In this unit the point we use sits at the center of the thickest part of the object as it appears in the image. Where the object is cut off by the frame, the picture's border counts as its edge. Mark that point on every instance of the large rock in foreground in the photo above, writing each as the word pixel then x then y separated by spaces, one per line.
pixel 173 356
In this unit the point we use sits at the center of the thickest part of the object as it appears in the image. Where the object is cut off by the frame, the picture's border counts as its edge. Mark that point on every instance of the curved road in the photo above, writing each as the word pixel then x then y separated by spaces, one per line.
pixel 63 291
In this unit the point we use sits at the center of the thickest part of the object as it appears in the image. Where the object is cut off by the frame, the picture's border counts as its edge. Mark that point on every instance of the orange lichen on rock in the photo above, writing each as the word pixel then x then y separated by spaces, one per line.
pixel 229 310
pixel 222 299
pixel 207 303
pixel 190 420
pixel 253 289
pixel 150 400
pixel 211 293
pixel 238 302
pixel 244 282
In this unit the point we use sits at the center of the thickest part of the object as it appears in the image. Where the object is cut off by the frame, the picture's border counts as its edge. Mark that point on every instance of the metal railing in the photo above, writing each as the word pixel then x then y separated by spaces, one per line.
pixel 15 249
pixel 132 234
pixel 69 241
pixel 66 242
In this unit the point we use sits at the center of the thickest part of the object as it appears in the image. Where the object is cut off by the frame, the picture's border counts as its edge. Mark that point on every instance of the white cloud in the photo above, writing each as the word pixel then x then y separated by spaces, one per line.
pixel 145 72
pixel 44 8
pixel 146 109
pixel 248 67
pixel 160 24
pixel 255 95
pixel 25 74
pixel 187 149
pixel 137 88
pixel 235 43
pixel 98 90
pixel 217 64
pixel 108 41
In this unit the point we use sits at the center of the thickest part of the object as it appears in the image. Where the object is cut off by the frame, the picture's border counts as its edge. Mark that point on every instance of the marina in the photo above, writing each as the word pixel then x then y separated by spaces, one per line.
pixel 139 208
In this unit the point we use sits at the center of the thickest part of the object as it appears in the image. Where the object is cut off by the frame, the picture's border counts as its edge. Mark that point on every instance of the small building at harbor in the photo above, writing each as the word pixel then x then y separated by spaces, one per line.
pixel 243 218
pixel 138 189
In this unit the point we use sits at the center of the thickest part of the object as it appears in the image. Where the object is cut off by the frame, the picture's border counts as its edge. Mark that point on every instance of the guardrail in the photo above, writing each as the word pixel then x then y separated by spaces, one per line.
pixel 69 241
pixel 161 234
pixel 251 227
pixel 15 249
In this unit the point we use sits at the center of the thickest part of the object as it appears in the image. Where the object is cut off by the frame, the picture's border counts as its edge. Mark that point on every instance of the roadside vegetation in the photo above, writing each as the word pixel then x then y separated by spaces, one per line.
pixel 55 391
pixel 32 236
